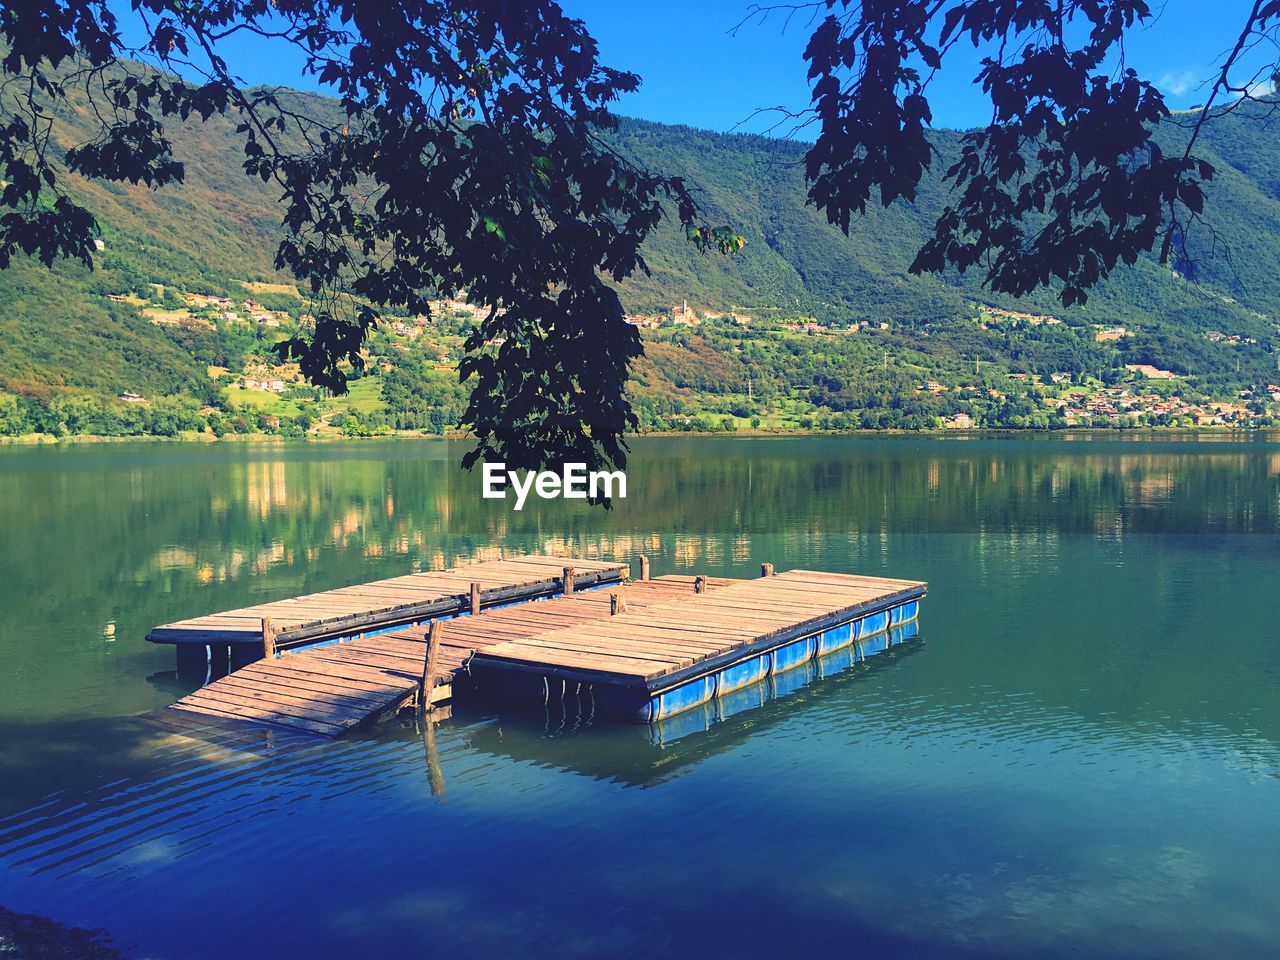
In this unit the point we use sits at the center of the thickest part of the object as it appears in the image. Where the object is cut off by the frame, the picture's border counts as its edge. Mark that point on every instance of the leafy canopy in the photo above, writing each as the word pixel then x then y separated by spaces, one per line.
pixel 1065 181
pixel 465 158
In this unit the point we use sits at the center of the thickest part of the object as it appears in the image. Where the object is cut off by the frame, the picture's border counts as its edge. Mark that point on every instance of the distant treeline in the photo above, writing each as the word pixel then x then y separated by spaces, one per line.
pixel 80 415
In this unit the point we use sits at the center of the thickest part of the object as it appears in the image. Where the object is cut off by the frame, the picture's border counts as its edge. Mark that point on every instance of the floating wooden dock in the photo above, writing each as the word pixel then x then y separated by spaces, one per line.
pixel 675 656
pixel 384 603
pixel 333 688
pixel 642 651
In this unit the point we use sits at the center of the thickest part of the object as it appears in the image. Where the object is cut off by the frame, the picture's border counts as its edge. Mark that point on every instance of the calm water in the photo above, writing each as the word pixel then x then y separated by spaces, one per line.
pixel 1079 756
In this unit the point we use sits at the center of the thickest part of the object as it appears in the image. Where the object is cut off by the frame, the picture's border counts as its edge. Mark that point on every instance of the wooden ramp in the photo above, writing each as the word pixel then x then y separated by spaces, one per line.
pixel 333 688
pixel 383 603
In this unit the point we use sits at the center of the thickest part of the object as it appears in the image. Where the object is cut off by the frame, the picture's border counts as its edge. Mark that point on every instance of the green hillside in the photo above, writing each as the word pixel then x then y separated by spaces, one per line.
pixel 72 341
pixel 797 261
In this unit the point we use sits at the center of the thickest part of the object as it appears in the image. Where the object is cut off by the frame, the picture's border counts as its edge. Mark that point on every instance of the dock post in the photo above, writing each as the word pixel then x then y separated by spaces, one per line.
pixel 268 639
pixel 429 664
pixel 566 584
pixel 617 604
pixel 435 776
pixel 699 584
pixel 644 567
pixel 766 569
pixel 475 599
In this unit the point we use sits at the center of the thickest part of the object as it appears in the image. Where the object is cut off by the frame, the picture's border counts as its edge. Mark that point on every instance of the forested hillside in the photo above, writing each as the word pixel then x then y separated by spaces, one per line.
pixel 171 330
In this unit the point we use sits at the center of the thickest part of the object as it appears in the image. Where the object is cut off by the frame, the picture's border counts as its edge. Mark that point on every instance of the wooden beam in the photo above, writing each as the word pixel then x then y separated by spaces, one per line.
pixel 699 584
pixel 617 604
pixel 434 637
pixel 435 775
pixel 566 583
pixel 475 599
pixel 644 567
pixel 766 569
pixel 268 639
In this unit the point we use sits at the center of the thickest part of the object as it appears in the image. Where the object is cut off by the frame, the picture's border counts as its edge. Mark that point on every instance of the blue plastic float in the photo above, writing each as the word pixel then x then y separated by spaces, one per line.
pixel 861 637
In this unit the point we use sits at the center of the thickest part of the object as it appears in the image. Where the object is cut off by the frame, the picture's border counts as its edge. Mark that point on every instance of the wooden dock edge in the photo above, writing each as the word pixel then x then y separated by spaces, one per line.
pixel 456 603
pixel 483 660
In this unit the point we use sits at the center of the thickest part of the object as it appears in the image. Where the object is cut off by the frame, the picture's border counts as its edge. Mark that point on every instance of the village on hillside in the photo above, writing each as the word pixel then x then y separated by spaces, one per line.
pixel 706 368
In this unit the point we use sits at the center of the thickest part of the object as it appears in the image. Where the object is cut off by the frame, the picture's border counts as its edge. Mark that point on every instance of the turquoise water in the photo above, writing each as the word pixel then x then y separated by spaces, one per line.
pixel 1079 755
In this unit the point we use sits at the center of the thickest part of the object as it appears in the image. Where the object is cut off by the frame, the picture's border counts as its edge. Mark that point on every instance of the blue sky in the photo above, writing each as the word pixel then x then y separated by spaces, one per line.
pixel 697 72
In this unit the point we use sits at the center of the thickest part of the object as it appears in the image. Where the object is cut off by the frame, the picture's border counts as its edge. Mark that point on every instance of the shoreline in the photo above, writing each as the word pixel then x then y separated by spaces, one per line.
pixel 48 440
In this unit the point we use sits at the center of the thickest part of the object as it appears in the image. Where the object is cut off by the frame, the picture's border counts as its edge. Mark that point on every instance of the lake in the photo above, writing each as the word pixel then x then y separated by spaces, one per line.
pixel 1078 756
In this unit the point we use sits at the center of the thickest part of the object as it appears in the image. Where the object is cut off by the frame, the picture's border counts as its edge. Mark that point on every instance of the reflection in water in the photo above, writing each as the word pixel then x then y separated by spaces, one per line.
pixel 1078 760
pixel 196 786
pixel 567 737
pixel 855 792
pixel 210 518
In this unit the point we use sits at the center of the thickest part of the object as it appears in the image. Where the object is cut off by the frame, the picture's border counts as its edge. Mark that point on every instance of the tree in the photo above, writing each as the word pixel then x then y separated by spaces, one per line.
pixel 171 415
pixel 464 159
pixel 77 414
pixel 13 419
pixel 1066 181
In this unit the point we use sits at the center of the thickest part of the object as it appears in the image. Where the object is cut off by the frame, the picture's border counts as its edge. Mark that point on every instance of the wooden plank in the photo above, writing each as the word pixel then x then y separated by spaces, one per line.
pixel 292 723
pixel 291 688
pixel 662 652
pixel 624 667
pixel 368 658
pixel 229 698
pixel 341 669
pixel 375 682
pixel 277 698
pixel 249 711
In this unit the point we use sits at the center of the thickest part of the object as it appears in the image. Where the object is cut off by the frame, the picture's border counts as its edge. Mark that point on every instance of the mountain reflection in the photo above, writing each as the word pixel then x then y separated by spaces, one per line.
pixel 1088 718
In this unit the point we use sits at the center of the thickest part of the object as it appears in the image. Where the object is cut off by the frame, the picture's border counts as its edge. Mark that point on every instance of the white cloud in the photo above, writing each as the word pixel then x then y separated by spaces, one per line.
pixel 1178 83
pixel 1263 88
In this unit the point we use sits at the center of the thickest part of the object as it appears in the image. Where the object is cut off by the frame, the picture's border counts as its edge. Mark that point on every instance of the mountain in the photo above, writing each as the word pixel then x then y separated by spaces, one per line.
pixel 1212 322
pixel 796 260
